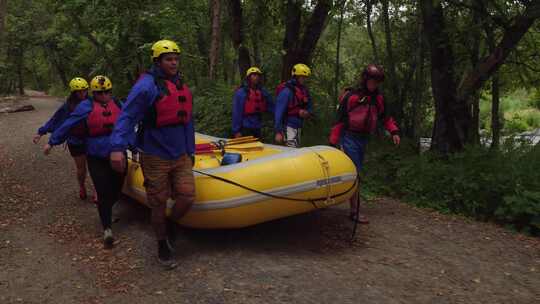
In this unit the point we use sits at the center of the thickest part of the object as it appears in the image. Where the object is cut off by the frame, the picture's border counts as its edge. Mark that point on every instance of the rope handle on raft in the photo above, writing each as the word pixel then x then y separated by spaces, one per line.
pixel 309 200
pixel 326 171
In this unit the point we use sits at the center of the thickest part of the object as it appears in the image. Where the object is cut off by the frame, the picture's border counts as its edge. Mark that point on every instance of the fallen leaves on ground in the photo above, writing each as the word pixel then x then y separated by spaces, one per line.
pixel 113 268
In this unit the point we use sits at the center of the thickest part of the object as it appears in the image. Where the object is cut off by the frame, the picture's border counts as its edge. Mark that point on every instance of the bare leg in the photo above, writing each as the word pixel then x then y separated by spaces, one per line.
pixel 80 163
pixel 354 213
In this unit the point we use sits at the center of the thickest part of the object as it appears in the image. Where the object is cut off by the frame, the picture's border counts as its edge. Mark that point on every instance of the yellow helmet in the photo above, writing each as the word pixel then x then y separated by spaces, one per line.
pixel 301 69
pixel 78 84
pixel 252 70
pixel 100 83
pixel 163 47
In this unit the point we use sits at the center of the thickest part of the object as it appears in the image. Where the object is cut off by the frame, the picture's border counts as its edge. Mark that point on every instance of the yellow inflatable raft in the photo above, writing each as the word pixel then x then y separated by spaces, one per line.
pixel 270 182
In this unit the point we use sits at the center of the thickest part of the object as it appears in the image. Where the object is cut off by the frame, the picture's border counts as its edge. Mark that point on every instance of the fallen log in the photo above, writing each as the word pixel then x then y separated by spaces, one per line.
pixel 21 108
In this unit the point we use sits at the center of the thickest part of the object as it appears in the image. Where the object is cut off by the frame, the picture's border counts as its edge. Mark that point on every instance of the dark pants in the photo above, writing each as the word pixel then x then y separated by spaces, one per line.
pixel 76 150
pixel 108 185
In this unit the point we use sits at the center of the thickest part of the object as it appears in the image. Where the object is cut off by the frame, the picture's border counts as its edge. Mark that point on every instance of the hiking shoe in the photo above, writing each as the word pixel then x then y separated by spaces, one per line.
pixel 165 256
pixel 108 239
pixel 82 193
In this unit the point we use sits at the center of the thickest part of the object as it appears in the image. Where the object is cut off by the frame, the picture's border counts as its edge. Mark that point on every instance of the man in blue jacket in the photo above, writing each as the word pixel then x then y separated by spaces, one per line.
pixel 249 102
pixel 293 105
pixel 161 104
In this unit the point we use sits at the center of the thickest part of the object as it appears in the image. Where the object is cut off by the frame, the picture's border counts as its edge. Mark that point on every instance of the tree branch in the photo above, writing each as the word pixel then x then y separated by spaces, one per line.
pixel 475 79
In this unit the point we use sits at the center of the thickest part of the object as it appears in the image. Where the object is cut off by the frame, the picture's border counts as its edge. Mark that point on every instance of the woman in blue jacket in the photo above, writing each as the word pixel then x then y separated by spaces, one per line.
pixel 98 114
pixel 75 141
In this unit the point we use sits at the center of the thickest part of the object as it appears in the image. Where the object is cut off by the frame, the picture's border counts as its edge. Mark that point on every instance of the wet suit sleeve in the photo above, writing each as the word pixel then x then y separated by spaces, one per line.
pixel 80 113
pixel 282 100
pixel 55 121
pixel 133 110
pixel 238 110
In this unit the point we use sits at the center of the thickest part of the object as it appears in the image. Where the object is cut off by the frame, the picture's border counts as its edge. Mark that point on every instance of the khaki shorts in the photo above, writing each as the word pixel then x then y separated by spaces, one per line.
pixel 164 179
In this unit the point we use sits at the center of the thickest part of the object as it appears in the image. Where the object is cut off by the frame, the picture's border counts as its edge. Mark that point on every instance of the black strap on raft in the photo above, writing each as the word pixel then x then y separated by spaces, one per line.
pixel 309 200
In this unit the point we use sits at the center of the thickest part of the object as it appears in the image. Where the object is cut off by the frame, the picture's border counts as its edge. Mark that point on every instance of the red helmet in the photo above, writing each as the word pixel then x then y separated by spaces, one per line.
pixel 373 71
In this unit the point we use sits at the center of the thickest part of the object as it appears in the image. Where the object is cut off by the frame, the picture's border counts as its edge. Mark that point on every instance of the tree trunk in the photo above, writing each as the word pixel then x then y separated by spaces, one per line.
pixel 301 53
pixel 20 67
pixel 215 39
pixel 338 47
pixel 495 90
pixel 391 70
pixel 474 100
pixel 495 125
pixel 406 125
pixel 237 36
pixel 369 6
pixel 202 42
pixel 224 67
pixel 418 82
pixel 292 36
pixel 3 13
pixel 418 95
pixel 447 130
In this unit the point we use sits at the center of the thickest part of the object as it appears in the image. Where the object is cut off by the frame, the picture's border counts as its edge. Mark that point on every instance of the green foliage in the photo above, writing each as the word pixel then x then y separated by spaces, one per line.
pixel 500 186
pixel 515 125
pixel 213 109
pixel 520 112
pixel 535 100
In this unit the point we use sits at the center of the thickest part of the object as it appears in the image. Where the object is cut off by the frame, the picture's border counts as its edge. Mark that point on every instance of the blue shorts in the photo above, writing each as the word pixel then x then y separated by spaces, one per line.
pixel 355 148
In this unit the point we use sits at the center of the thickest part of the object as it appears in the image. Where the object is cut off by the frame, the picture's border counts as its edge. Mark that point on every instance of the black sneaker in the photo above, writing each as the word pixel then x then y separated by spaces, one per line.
pixel 165 256
pixel 108 239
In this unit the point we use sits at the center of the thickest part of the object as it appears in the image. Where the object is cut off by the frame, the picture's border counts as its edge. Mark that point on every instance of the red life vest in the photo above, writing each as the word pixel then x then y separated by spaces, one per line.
pixel 101 120
pixel 363 112
pixel 175 108
pixel 299 100
pixel 255 102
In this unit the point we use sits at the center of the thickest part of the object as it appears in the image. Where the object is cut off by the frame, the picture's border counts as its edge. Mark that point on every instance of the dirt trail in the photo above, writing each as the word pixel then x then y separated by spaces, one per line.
pixel 50 250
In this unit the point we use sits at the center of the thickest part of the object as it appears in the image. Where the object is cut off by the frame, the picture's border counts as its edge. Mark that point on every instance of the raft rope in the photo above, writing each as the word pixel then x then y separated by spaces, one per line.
pixel 311 200
pixel 308 200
